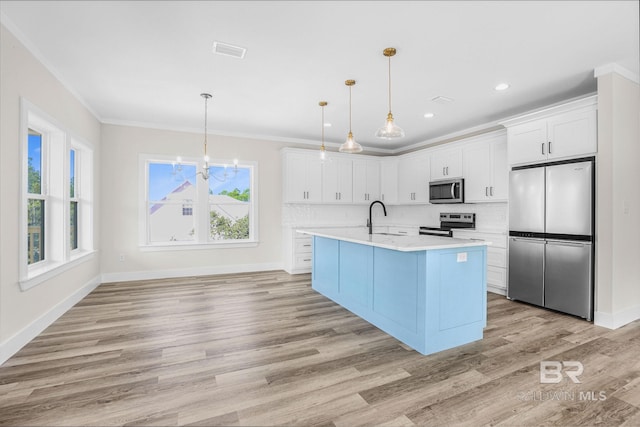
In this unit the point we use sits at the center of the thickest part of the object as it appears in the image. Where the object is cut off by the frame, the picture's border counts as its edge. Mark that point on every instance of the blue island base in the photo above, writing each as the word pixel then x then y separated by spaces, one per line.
pixel 431 300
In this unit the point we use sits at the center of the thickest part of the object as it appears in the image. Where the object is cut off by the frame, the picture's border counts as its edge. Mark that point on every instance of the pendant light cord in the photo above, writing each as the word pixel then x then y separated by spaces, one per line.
pixel 322 124
pixel 389 84
pixel 350 109
pixel 206 102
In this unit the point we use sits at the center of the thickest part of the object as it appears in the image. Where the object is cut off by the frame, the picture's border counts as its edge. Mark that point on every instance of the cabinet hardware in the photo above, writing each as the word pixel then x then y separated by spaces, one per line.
pixel 549 150
pixel 486 191
pixel 447 169
pixel 307 259
pixel 491 191
pixel 443 172
pixel 542 148
pixel 306 246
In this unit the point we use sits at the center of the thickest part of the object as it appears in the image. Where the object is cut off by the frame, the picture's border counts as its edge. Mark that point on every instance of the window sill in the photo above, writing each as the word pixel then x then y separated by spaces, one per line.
pixel 41 274
pixel 189 246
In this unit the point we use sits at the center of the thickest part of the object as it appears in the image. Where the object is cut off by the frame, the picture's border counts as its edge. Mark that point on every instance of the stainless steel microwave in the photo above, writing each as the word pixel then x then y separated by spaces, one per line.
pixel 447 191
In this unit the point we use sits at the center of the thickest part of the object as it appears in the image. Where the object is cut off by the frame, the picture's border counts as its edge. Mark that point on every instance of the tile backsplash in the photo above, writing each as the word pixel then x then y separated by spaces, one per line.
pixel 489 216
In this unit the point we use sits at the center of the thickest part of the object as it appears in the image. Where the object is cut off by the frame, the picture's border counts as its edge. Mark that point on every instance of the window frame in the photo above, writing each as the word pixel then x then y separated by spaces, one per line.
pixel 55 162
pixel 201 204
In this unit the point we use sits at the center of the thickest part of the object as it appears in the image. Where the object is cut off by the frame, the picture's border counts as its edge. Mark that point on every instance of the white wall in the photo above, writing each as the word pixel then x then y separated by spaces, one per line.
pixel 24 314
pixel 618 201
pixel 120 198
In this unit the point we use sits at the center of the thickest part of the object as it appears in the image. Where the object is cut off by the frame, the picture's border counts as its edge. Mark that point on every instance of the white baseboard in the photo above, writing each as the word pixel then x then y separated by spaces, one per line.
pixel 496 290
pixel 186 272
pixel 12 345
pixel 617 319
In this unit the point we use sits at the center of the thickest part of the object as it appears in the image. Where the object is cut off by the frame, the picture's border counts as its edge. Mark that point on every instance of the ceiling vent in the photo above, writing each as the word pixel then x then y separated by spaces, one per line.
pixel 229 50
pixel 442 100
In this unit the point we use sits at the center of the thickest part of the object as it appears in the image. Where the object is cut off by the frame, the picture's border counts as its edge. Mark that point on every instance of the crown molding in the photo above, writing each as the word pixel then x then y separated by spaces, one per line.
pixel 618 69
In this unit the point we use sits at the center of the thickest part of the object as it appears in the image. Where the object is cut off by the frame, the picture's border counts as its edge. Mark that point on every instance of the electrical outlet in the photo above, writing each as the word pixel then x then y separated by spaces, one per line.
pixel 121 258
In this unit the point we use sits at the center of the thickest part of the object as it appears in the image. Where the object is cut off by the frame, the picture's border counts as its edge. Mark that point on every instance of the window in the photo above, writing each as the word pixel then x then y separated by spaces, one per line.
pixel 73 202
pixel 57 207
pixel 35 199
pixel 182 209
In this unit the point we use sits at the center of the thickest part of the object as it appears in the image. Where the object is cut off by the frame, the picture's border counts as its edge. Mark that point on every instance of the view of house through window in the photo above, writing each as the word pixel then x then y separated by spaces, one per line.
pixel 35 199
pixel 229 203
pixel 176 205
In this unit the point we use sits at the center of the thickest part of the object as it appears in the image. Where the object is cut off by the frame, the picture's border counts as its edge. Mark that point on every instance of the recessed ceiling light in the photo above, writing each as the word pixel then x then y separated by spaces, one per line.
pixel 502 86
pixel 327 125
pixel 428 115
pixel 229 50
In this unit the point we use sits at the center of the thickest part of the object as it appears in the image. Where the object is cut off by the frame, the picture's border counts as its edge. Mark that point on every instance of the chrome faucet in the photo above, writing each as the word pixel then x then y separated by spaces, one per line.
pixel 369 223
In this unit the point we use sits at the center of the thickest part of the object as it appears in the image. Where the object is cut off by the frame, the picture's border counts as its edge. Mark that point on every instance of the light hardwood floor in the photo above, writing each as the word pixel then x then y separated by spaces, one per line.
pixel 265 349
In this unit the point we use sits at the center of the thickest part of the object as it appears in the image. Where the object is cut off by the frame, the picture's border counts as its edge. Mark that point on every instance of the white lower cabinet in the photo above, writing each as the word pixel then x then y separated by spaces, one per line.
pixel 496 257
pixel 298 249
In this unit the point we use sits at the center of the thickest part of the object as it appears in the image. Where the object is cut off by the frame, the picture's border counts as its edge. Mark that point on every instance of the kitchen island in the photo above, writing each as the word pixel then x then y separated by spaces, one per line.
pixel 429 292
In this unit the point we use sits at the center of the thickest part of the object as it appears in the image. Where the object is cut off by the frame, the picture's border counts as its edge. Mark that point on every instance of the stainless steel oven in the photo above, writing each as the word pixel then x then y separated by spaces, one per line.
pixel 447 191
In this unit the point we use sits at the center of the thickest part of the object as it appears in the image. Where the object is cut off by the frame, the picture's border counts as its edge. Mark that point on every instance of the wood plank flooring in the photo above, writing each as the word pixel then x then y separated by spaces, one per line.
pixel 265 349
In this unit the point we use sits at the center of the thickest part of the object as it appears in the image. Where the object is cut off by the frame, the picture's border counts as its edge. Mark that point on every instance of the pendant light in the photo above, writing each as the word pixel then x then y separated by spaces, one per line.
pixel 350 145
pixel 323 152
pixel 205 167
pixel 390 130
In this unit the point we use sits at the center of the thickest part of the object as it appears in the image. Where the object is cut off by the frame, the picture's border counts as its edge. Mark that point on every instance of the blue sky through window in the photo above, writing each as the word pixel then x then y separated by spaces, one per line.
pixel 35 151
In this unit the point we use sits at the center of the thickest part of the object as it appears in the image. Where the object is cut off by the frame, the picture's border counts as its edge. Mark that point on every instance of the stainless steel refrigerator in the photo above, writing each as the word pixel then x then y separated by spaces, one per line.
pixel 551 230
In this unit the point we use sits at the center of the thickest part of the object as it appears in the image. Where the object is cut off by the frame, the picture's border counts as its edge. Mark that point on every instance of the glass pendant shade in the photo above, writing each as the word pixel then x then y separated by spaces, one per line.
pixel 390 130
pixel 350 145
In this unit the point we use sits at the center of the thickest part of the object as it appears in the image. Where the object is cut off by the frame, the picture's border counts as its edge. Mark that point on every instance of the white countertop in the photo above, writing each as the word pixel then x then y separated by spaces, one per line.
pixel 398 243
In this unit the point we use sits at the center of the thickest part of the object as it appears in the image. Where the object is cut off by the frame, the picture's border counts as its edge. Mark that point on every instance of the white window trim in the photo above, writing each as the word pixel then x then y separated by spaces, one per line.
pixel 200 208
pixel 58 257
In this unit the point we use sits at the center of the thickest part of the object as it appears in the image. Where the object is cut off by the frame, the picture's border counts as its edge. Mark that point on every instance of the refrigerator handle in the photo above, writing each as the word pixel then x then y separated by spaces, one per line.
pixel 566 243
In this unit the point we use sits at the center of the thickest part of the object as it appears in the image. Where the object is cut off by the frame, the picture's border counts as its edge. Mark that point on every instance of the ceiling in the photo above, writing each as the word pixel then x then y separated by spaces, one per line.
pixel 145 63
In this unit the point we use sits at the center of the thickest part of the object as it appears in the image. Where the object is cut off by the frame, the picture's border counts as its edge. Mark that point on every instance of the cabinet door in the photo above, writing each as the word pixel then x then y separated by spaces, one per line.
pixel 572 134
pixel 527 142
pixel 413 179
pixel 406 180
pixel 477 172
pixel 421 177
pixel 446 164
pixel 373 180
pixel 295 177
pixel 360 181
pixel 366 181
pixel 499 188
pixel 389 181
pixel 313 179
pixel 337 181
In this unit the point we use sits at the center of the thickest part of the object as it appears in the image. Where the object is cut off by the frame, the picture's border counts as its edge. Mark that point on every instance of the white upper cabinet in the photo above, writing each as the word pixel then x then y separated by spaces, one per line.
pixel 366 180
pixel 337 180
pixel 561 132
pixel 446 164
pixel 485 169
pixel 302 177
pixel 389 180
pixel 413 178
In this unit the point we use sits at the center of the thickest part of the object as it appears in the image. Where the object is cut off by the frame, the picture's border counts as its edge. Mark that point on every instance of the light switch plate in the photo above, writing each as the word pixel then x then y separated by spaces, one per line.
pixel 462 257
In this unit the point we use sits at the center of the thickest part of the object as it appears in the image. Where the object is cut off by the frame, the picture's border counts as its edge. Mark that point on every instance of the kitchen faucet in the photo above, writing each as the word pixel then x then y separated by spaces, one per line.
pixel 369 223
